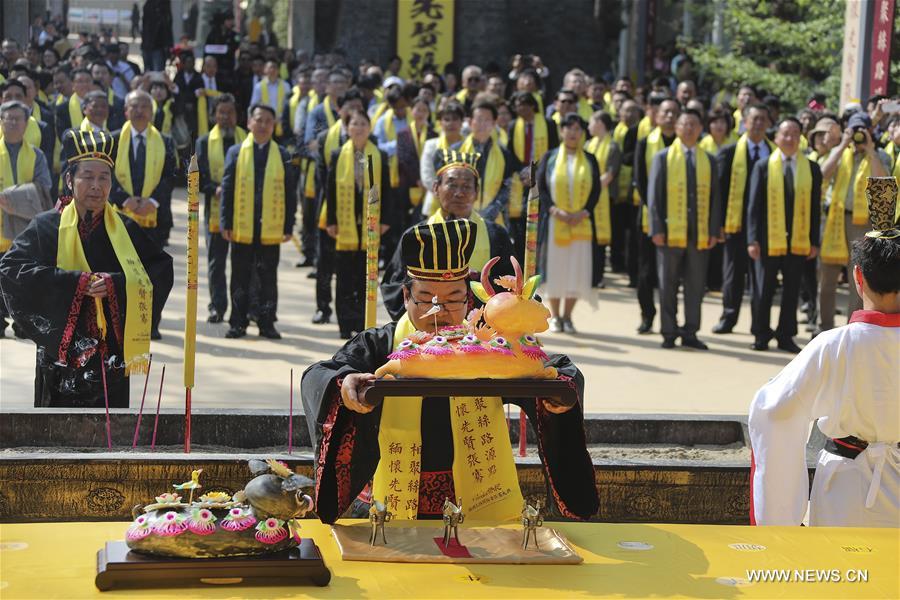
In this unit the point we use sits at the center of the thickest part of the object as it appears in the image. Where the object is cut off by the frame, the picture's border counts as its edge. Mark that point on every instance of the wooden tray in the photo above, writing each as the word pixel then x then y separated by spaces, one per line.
pixel 118 566
pixel 509 388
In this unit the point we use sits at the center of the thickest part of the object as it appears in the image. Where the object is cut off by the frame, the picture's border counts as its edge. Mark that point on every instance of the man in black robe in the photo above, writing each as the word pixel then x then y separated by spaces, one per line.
pixel 344 426
pixel 456 189
pixel 56 307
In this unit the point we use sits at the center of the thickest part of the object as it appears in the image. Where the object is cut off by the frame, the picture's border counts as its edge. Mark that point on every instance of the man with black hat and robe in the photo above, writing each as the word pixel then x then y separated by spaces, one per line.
pixel 417 453
pixel 84 282
pixel 456 188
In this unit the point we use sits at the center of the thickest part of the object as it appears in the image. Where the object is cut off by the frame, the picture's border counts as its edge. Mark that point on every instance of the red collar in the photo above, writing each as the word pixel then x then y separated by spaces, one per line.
pixel 874 317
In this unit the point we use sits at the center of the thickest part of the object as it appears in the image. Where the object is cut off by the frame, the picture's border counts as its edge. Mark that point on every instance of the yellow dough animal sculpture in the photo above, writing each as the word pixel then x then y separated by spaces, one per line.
pixel 497 341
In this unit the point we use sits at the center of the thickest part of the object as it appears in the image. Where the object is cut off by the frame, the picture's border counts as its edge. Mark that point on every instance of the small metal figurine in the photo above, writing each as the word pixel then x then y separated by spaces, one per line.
pixel 378 516
pixel 453 516
pixel 531 520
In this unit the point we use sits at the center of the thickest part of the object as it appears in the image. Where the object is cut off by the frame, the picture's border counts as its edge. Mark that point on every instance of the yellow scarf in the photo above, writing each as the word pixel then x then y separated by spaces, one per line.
pixel 834 245
pixel 484 472
pixel 655 143
pixel 677 197
pixel 332 143
pixel 602 221
pixel 138 287
pixel 645 126
pixel 279 102
pixel 585 110
pixel 391 133
pixel 32 132
pixel 482 252
pixel 24 174
pixel 153 166
pixel 503 136
pixel 309 188
pixel 734 211
pixel 563 233
pixel 293 103
pixel 625 171
pixel 166 125
pixel 416 193
pixel 272 230
pixel 492 179
pixel 75 114
pixel 345 203
pixel 775 213
pixel 539 147
pixel 215 153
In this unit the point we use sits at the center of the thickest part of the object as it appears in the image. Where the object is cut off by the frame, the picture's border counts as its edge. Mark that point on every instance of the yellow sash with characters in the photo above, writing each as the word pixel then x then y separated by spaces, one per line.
pixel 677 197
pixel 24 174
pixel 153 166
pixel 602 219
pixel 484 472
pixel 332 143
pixel 345 203
pixel 215 152
pixel 563 233
pixel 492 179
pixel 272 230
pixel 655 144
pixel 416 193
pixel 834 244
pixel 625 171
pixel 391 133
pixel 539 146
pixel 775 213
pixel 138 287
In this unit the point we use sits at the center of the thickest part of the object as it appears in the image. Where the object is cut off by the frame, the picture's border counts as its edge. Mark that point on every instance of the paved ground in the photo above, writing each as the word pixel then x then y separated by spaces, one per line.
pixel 625 372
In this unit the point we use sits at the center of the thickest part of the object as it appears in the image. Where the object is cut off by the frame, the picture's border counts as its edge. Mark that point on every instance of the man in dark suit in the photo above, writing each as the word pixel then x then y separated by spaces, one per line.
pixel 801 187
pixel 150 206
pixel 683 251
pixel 751 148
pixel 68 113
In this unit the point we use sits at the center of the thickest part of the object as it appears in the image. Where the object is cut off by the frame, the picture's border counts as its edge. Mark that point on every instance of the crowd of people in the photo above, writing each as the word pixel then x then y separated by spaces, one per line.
pixel 673 185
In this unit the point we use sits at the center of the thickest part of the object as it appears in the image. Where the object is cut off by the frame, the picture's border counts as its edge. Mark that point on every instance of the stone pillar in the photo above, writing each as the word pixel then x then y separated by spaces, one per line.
pixel 302 26
pixel 16 20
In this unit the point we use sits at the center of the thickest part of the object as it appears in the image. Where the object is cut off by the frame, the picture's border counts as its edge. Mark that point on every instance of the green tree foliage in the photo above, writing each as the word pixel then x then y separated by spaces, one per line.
pixel 788 47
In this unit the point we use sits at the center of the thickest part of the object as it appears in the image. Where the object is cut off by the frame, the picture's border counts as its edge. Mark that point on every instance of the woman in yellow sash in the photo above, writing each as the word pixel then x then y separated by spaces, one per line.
pixel 450 117
pixel 85 284
pixel 420 131
pixel 346 199
pixel 607 230
pixel 417 451
pixel 569 183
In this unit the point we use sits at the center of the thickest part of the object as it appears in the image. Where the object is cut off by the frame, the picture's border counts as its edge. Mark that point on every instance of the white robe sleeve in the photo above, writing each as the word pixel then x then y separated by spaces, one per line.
pixel 779 426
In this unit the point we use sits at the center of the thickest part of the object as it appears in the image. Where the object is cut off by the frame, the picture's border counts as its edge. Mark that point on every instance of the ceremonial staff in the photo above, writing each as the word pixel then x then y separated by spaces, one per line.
pixel 373 240
pixel 531 231
pixel 190 317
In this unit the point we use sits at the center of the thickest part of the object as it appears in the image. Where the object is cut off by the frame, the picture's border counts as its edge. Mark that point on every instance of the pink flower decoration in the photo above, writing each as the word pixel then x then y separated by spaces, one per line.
pixel 238 519
pixel 270 531
pixel 202 522
pixel 139 529
pixel 170 524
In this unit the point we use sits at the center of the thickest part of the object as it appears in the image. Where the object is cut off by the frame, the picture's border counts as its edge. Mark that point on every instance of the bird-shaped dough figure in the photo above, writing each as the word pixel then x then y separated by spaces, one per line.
pixel 193 484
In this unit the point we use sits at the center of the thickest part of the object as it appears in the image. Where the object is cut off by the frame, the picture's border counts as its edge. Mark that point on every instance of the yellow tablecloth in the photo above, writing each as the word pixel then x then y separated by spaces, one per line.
pixel 620 560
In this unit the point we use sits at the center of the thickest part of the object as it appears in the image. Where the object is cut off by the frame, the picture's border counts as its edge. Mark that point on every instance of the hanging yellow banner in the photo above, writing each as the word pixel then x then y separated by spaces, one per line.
pixel 424 35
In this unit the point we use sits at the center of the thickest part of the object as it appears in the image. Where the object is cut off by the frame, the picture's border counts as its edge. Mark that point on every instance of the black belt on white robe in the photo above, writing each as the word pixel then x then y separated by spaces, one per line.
pixel 848 447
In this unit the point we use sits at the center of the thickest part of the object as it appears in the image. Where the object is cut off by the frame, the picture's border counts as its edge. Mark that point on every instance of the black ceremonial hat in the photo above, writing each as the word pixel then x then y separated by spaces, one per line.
pixel 89 145
pixel 439 251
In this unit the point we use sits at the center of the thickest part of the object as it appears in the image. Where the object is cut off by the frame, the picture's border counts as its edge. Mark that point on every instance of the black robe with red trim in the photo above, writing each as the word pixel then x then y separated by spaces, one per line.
pixel 51 307
pixel 346 442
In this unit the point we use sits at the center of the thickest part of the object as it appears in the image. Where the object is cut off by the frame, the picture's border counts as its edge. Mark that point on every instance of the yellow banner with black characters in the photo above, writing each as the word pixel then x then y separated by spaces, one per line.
pixel 424 35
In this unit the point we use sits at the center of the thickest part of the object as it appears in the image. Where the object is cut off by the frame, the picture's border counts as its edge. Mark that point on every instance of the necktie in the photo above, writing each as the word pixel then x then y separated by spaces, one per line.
pixel 755 154
pixel 137 172
pixel 788 179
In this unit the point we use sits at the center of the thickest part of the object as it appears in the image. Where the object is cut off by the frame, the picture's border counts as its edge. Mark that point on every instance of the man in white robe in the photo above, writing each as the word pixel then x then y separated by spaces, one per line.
pixel 849 379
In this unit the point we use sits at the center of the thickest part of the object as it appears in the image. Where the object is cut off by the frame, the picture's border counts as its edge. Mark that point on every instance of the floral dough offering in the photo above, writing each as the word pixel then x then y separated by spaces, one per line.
pixel 497 341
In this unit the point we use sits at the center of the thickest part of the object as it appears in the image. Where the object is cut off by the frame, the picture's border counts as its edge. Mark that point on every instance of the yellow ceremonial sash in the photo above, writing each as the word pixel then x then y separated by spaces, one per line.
pixel 775 213
pixel 279 103
pixel 484 472
pixel 540 101
pixel 293 103
pixel 32 132
pixel 602 219
pixel 167 117
pixel 737 116
pixel 416 193
pixel 734 208
pixel 203 111
pixel 391 133
pixel 503 136
pixel 215 153
pixel 329 113
pixel 345 202
pixel 309 186
pixel 332 143
pixel 563 233
pixel 539 147
pixel 24 174
pixel 655 143
pixel 138 287
pixel 645 126
pixel 461 96
pixel 492 179
pixel 75 114
pixel 153 166
pixel 36 111
pixel 482 252
pixel 834 244
pixel 625 171
pixel 585 110
pixel 677 197
pixel 272 230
